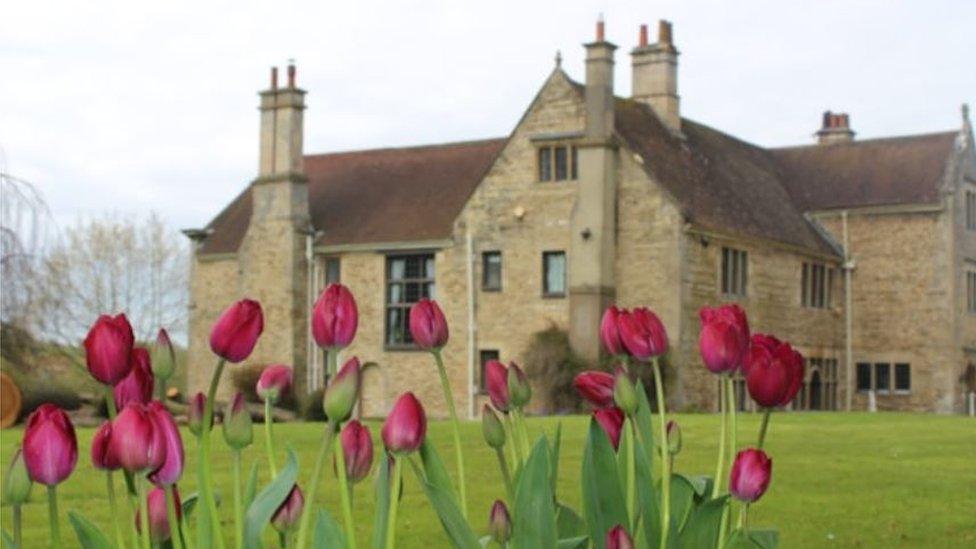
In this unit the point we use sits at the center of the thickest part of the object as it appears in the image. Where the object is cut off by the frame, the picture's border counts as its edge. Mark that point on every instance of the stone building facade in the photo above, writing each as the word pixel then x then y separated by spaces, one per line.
pixel 861 253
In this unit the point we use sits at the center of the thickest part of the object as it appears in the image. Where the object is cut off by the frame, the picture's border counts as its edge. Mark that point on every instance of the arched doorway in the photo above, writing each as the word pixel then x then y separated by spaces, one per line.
pixel 815 391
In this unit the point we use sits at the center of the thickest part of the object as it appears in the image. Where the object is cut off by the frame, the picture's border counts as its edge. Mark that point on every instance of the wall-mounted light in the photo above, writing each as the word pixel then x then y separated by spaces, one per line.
pixel 518 212
pixel 586 234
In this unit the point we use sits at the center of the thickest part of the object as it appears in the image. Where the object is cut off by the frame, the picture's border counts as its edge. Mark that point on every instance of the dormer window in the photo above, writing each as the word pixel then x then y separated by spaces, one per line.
pixel 557 163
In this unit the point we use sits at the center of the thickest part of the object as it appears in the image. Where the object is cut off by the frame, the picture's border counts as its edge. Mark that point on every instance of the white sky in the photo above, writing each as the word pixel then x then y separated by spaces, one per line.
pixel 110 106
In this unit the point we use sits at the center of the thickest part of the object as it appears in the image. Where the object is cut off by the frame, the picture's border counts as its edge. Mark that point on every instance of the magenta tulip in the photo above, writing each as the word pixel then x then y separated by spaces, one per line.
pixel 612 421
pixel 357 450
pixel 610 331
pixel 642 334
pixel 236 332
pixel 194 413
pixel 428 325
pixel 138 385
pixel 335 318
pixel 595 387
pixel 774 373
pixel 172 468
pixel 136 442
pixel 159 527
pixel 107 348
pixel 50 446
pixel 500 522
pixel 274 383
pixel 724 338
pixel 618 538
pixel 406 425
pixel 496 378
pixel 750 474
pixel 290 511
pixel 100 456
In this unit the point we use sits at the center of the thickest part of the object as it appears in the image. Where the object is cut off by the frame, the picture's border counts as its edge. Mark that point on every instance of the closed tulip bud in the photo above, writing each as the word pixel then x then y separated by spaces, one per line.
pixel 342 393
pixel 500 523
pixel 172 468
pixel 335 318
pixel 610 333
pixel 163 356
pixel 357 450
pixel 774 372
pixel 612 421
pixel 238 431
pixel 159 527
pixel 624 392
pixel 138 385
pixel 595 387
pixel 290 511
pixel 428 325
pixel 274 383
pixel 519 390
pixel 100 456
pixel 406 426
pixel 750 475
pixel 194 413
pixel 492 428
pixel 17 484
pixel 135 441
pixel 643 334
pixel 724 338
pixel 107 348
pixel 674 437
pixel 618 538
pixel 50 446
pixel 496 377
pixel 236 332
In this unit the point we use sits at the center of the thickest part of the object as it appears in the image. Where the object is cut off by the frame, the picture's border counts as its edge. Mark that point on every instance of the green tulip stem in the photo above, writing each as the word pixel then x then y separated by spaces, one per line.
pixel 175 536
pixel 161 389
pixel 665 464
pixel 206 477
pixel 730 394
pixel 744 518
pixel 631 474
pixel 269 438
pixel 332 357
pixel 506 476
pixel 185 531
pixel 394 502
pixel 143 515
pixel 17 523
pixel 324 450
pixel 764 427
pixel 523 432
pixel 516 445
pixel 459 455
pixel 113 508
pixel 52 514
pixel 238 501
pixel 723 410
pixel 344 493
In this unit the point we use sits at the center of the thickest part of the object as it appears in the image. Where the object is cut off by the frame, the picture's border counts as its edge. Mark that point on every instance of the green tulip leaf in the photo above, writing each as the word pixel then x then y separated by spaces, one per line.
pixel 435 472
pixel 645 429
pixel 702 527
pixel 535 512
pixel 753 539
pixel 648 500
pixel 252 486
pixel 603 497
pixel 89 536
pixel 383 491
pixel 189 503
pixel 327 532
pixel 267 501
pixel 452 520
pixel 557 441
pixel 623 451
pixel 568 522
pixel 579 542
pixel 485 541
pixel 682 501
pixel 8 541
pixel 702 485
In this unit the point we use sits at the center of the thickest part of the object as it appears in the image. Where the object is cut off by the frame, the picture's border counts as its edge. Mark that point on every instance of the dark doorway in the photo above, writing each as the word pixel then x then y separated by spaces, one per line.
pixel 815 391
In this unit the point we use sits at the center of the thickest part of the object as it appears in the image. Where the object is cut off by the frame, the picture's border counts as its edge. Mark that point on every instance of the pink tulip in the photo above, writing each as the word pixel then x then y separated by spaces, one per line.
pixel 290 511
pixel 107 348
pixel 496 378
pixel 428 325
pixel 595 387
pixel 50 446
pixel 274 383
pixel 724 338
pixel 618 538
pixel 406 425
pixel 612 421
pixel 236 332
pixel 335 318
pixel 500 522
pixel 774 373
pixel 100 456
pixel 194 413
pixel 642 333
pixel 610 332
pixel 750 474
pixel 159 527
pixel 357 450
pixel 136 442
pixel 172 468
pixel 138 385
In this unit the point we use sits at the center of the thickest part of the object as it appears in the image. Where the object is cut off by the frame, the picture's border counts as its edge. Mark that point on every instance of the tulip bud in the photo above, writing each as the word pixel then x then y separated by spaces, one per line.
pixel 100 456
pixel 496 377
pixel 595 387
pixel 774 371
pixel 335 318
pixel 342 393
pixel 17 484
pixel 172 468
pixel 492 428
pixel 135 441
pixel 428 325
pixel 163 356
pixel 274 383
pixel 290 511
pixel 643 334
pixel 238 430
pixel 107 348
pixel 618 538
pixel 674 438
pixel 194 413
pixel 357 450
pixel 624 392
pixel 50 446
pixel 750 474
pixel 138 385
pixel 236 332
pixel 724 338
pixel 612 421
pixel 500 523
pixel 159 527
pixel 518 386
pixel 610 334
pixel 406 426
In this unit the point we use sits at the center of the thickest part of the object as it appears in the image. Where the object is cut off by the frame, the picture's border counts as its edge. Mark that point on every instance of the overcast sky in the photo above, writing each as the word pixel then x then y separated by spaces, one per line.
pixel 128 107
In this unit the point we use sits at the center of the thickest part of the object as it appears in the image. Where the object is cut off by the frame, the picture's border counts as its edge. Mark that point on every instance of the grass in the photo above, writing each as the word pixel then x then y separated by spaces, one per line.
pixel 839 480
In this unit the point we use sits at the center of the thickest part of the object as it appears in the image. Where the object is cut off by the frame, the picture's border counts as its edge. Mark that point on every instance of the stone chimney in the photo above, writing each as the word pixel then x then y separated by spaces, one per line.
pixel 836 129
pixel 593 221
pixel 655 75
pixel 281 127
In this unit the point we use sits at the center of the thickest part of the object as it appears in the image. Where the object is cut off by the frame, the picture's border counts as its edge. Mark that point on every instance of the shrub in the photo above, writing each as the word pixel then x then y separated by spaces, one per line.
pixel 311 409
pixel 551 365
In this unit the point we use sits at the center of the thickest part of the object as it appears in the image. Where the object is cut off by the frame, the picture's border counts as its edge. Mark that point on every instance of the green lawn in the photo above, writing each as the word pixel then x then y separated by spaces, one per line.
pixel 842 480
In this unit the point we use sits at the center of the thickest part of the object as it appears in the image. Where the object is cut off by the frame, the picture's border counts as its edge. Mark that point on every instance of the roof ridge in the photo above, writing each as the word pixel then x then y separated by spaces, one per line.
pixel 873 140
pixel 442 145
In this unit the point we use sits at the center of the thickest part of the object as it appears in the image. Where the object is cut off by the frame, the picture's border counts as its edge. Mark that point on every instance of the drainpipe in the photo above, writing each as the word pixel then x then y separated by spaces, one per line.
pixel 309 300
pixel 472 327
pixel 848 321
